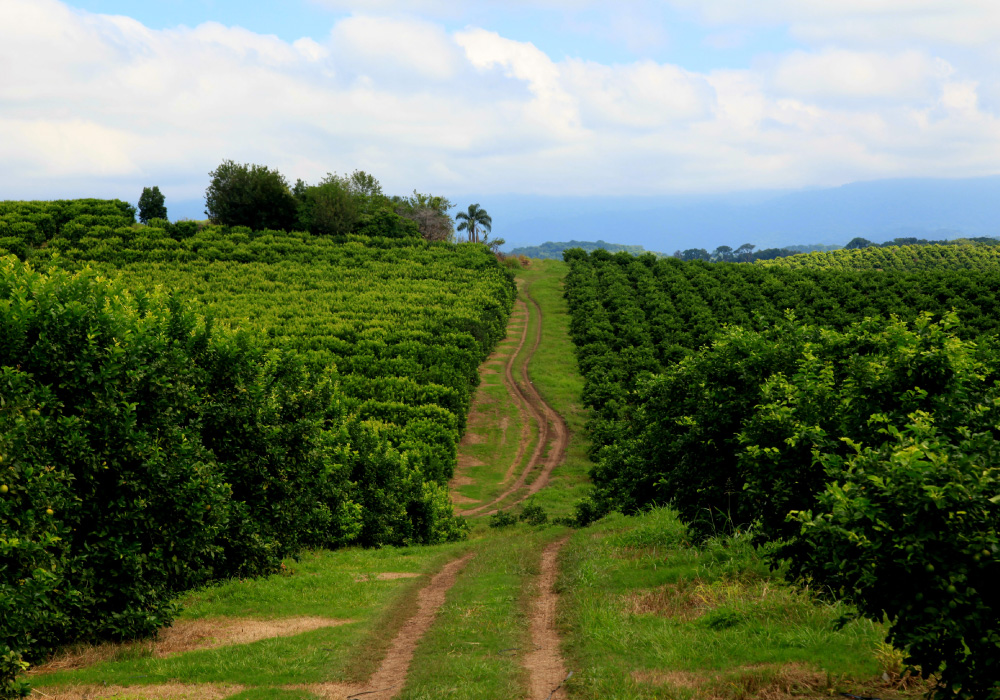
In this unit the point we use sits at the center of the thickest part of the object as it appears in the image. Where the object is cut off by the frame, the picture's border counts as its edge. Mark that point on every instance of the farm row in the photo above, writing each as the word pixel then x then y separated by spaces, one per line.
pixel 182 405
pixel 906 257
pixel 847 418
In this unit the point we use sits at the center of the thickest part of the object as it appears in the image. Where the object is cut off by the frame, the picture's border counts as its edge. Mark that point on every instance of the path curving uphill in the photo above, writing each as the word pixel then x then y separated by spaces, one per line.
pixel 549 448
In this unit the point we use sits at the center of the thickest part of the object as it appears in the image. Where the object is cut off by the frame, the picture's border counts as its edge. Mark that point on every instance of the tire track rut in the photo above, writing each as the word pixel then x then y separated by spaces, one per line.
pixel 553 436
pixel 545 664
pixel 389 679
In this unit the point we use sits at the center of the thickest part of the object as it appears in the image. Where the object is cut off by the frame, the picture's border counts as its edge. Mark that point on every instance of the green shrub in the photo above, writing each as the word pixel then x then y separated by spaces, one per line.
pixel 908 531
pixel 533 514
pixel 503 518
pixel 386 224
pixel 100 397
pixel 827 399
pixel 267 421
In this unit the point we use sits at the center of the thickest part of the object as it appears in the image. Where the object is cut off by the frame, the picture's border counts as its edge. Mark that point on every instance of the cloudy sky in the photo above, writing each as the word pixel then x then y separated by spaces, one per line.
pixel 555 97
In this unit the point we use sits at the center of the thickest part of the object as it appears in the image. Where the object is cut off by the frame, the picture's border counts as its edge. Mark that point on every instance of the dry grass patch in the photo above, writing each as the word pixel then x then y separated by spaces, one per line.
pixel 169 691
pixel 764 682
pixel 686 600
pixel 459 499
pixel 387 576
pixel 183 636
pixel 467 462
pixel 674 679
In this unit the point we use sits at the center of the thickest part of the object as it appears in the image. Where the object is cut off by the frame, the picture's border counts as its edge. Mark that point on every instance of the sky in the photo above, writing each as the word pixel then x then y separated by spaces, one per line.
pixel 551 98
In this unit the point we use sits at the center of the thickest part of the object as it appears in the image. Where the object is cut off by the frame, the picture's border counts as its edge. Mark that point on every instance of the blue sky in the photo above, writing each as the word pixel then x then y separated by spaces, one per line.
pixel 573 98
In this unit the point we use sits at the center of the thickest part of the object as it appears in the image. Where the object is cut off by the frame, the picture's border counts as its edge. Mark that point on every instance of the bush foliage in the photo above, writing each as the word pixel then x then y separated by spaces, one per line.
pixel 862 441
pixel 147 449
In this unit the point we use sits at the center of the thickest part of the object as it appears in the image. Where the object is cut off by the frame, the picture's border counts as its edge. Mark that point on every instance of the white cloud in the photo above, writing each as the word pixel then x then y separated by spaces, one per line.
pixel 839 73
pixel 964 22
pixel 641 95
pixel 408 46
pixel 92 102
pixel 552 105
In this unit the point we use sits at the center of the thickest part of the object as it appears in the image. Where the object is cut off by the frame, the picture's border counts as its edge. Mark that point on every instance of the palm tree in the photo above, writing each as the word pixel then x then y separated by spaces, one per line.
pixel 476 219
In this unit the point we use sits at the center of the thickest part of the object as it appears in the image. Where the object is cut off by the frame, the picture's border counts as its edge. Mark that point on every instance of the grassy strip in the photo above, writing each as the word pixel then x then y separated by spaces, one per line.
pixel 474 649
pixel 554 372
pixel 497 423
pixel 649 616
pixel 326 584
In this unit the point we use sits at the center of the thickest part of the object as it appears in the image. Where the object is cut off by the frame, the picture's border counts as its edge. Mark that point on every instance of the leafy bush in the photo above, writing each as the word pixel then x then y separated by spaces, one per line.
pixel 829 398
pixel 503 518
pixel 108 482
pixel 533 514
pixel 267 421
pixel 386 224
pixel 908 531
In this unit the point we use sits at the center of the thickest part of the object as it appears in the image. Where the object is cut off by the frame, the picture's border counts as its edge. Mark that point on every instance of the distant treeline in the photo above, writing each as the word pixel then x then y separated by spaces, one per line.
pixel 554 251
pixel 748 252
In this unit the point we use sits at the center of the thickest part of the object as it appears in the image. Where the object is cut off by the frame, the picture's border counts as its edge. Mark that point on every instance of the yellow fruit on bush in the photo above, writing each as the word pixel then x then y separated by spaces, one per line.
pixel 49 511
pixel 3 488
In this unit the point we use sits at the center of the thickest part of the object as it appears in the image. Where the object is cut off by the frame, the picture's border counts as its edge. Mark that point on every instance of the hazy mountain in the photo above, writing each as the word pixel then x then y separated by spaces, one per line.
pixel 878 211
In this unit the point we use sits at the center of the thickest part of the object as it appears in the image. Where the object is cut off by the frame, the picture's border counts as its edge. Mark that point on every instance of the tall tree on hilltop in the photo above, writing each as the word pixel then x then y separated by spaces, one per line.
pixel 473 221
pixel 151 204
pixel 250 195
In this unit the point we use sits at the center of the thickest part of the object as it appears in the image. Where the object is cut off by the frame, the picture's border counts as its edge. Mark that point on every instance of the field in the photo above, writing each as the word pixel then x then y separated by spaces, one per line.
pixel 347 391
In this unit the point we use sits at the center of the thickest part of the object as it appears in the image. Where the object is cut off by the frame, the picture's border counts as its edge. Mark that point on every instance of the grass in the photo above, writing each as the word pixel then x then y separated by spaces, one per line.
pixel 497 424
pixel 648 615
pixel 555 374
pixel 325 584
pixel 474 650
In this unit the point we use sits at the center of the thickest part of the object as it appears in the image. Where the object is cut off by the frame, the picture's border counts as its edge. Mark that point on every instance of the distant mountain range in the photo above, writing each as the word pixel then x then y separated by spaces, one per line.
pixel 553 250
pixel 878 211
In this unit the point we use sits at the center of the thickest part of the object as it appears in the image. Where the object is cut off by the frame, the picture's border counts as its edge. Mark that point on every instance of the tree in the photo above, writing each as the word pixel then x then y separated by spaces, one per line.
pixel 367 192
pixel 744 252
pixel 494 244
pixel 858 243
pixel 250 195
pixel 151 204
pixel 475 219
pixel 430 212
pixel 695 254
pixel 327 209
pixel 723 253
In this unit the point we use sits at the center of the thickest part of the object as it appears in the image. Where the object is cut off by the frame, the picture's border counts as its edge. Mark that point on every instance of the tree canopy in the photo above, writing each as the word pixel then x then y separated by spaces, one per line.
pixel 151 204
pixel 250 195
pixel 473 221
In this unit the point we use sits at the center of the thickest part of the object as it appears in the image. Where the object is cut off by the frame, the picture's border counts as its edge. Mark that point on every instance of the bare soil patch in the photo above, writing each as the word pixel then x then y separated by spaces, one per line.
pixel 186 635
pixel 545 665
pixel 169 691
pixel 387 576
pixel 459 499
pixel 465 461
